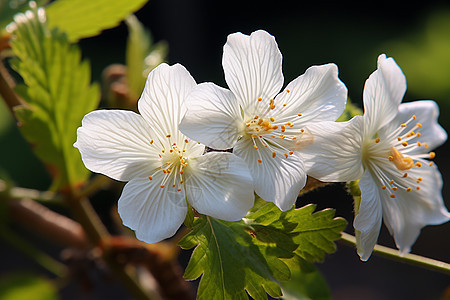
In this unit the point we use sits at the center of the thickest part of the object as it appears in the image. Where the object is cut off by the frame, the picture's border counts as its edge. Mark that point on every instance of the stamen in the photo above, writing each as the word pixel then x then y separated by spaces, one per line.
pixel 259 99
pixel 392 195
pixel 432 155
pixel 151 142
pixel 150 177
pixel 408 190
pixel 402 163
pixel 377 140
pixel 383 187
pixel 287 91
pixel 299 115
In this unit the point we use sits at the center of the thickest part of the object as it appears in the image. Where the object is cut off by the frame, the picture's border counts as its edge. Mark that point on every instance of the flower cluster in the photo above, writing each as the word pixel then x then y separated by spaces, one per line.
pixel 278 136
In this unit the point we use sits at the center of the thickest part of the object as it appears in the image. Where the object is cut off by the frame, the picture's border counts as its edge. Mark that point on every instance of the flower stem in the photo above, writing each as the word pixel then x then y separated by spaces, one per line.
pixel 395 255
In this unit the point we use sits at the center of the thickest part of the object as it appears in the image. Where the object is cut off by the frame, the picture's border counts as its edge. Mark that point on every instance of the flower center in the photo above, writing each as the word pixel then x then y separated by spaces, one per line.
pixel 278 135
pixel 403 143
pixel 173 162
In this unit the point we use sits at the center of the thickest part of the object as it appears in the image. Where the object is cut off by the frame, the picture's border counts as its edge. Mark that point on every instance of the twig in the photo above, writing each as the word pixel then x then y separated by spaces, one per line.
pixel 395 255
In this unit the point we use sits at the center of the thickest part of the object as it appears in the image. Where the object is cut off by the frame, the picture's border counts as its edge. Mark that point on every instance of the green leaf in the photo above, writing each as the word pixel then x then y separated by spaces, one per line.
pixel 8 8
pixel 86 18
pixel 306 285
pixel 59 93
pixel 230 262
pixel 259 252
pixel 314 233
pixel 26 286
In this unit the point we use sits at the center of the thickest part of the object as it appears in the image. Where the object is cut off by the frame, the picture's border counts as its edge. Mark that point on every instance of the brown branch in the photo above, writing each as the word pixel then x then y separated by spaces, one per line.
pixel 7 92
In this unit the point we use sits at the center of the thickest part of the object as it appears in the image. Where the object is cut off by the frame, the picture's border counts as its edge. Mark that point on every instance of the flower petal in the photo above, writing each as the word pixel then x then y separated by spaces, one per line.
pixel 368 220
pixel 219 185
pixel 383 92
pixel 335 153
pixel 252 66
pixel 318 95
pixel 154 213
pixel 162 101
pixel 408 212
pixel 278 180
pixel 213 117
pixel 117 143
pixel 426 112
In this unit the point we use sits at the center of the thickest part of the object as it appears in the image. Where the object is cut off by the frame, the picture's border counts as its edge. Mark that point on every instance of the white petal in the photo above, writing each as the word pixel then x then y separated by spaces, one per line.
pixel 427 113
pixel 318 95
pixel 278 180
pixel 252 66
pixel 335 153
pixel 154 213
pixel 213 117
pixel 368 220
pixel 117 144
pixel 162 101
pixel 407 213
pixel 383 92
pixel 219 184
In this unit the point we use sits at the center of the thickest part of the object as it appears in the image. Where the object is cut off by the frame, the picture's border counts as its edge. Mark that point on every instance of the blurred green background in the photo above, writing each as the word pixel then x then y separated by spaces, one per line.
pixel 350 34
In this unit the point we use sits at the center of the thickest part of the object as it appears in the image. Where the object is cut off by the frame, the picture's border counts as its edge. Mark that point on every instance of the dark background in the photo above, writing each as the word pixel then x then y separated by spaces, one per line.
pixel 351 35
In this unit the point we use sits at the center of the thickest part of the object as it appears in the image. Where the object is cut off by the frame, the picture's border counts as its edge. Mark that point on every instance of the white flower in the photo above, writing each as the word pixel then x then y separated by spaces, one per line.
pixel 264 128
pixel 388 149
pixel 164 168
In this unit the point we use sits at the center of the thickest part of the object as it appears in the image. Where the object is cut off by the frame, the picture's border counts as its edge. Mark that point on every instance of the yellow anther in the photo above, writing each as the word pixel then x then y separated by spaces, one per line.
pixel 302 130
pixel 419 125
pixel 392 195
pixel 377 140
pixel 390 157
pixel 173 185
pixel 430 164
pixel 418 188
pixel 292 152
pixel 181 171
pixel 274 154
pixel 287 91
pixel 284 105
pixel 285 155
pixel 282 136
pixel 254 136
pixel 161 186
pixel 419 179
pixel 151 142
pixel 391 182
pixel 186 141
pixel 256 117
pixel 419 144
pixel 402 163
pixel 272 106
pixel 150 177
pixel 408 190
pixel 168 135
pixel 290 124
pixel 283 128
pixel 260 121
pixel 272 120
pixel 294 137
pixel 426 145
pixel 394 188
pixel 259 99
pixel 418 134
pixel 274 127
pixel 404 144
pixel 405 175
pixel 399 138
pixel 256 147
pixel 402 125
pixel 299 115
pixel 418 164
pixel 432 155
pixel 260 161
pixel 414 117
pixel 383 187
pixel 179 190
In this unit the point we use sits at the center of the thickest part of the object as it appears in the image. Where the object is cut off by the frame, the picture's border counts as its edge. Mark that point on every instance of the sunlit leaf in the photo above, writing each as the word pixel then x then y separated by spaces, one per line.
pixel 26 286
pixel 59 93
pixel 230 262
pixel 86 18
pixel 259 252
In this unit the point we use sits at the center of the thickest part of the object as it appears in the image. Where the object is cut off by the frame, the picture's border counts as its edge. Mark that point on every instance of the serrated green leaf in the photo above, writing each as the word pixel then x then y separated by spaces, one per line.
pixel 314 233
pixel 26 286
pixel 233 256
pixel 8 8
pixel 86 18
pixel 230 262
pixel 58 92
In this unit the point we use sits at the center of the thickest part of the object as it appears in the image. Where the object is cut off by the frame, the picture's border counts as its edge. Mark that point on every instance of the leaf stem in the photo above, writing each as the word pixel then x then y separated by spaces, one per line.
pixel 395 255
